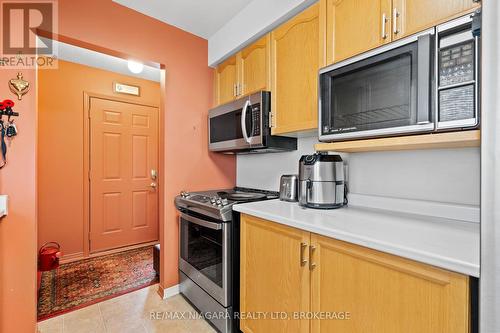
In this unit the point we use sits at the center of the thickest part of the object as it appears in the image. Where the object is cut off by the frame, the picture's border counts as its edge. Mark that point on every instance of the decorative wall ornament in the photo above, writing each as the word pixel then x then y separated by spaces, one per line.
pixel 19 86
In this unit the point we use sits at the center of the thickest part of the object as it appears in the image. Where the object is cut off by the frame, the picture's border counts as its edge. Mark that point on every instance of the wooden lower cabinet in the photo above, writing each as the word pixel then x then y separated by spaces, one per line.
pixel 384 293
pixel 357 290
pixel 273 281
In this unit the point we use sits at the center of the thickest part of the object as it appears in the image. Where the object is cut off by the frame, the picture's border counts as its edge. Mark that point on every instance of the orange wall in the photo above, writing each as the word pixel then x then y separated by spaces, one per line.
pixel 18 230
pixel 60 147
pixel 188 164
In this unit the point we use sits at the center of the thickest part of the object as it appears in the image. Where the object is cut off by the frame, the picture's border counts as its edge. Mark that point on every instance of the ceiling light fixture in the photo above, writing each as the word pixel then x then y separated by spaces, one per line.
pixel 135 66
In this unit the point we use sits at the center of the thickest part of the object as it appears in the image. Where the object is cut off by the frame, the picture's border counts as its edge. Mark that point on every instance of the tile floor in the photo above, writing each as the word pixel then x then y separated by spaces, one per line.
pixel 128 313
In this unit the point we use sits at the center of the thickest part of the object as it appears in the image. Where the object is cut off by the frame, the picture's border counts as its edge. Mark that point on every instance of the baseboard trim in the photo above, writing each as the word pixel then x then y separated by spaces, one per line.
pixel 168 292
pixel 67 258
pixel 122 249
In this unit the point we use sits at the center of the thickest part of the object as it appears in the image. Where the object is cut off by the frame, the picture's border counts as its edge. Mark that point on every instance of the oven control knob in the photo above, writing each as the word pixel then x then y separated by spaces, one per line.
pixel 184 194
pixel 219 201
pixel 224 201
pixel 212 201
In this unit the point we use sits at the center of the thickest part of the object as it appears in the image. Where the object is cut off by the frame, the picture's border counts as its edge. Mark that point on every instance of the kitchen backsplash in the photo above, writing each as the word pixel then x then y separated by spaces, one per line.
pixel 444 175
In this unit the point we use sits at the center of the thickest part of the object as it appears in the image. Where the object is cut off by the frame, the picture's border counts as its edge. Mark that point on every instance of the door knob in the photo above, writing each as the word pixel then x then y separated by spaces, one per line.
pixel 153 186
pixel 154 174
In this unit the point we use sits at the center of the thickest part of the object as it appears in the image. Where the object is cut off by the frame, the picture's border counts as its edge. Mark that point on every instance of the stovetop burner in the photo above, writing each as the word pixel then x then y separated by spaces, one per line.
pixel 242 196
pixel 218 204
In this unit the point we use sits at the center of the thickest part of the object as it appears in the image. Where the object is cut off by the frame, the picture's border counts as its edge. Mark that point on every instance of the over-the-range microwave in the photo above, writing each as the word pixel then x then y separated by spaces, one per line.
pixel 423 83
pixel 243 127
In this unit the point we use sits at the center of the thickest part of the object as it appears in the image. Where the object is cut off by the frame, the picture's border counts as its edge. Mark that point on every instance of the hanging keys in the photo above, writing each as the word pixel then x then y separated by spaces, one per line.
pixel 11 130
pixel 3 145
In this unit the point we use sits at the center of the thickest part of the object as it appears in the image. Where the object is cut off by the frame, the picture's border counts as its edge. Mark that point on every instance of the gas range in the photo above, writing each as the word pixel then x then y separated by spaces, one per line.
pixel 218 204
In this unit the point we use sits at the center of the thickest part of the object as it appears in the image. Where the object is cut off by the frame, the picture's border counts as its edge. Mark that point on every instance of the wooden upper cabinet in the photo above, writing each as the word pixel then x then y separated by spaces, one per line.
pixel 295 60
pixel 246 72
pixel 355 26
pixel 254 66
pixel 273 277
pixel 226 77
pixel 384 293
pixel 411 16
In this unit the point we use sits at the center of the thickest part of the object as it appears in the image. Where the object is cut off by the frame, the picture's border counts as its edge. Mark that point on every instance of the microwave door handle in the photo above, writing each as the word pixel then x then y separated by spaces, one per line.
pixel 243 121
pixel 424 82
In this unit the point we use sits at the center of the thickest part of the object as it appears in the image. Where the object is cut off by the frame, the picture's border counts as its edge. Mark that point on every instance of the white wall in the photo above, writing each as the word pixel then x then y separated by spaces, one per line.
pixel 263 171
pixel 256 19
pixel 444 175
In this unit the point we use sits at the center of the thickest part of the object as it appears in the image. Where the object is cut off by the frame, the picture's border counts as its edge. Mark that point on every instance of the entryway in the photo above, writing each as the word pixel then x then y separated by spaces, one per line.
pixel 99 179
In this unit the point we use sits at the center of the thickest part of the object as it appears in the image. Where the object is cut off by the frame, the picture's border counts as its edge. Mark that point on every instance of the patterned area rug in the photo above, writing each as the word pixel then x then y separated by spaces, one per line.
pixel 85 282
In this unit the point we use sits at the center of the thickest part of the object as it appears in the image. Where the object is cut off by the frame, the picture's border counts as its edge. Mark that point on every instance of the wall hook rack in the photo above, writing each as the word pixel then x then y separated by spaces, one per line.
pixel 6 109
pixel 7 129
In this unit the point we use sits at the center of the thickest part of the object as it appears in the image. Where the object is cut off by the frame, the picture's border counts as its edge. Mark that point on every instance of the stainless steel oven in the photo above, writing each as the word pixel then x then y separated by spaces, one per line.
pixel 209 251
pixel 205 255
pixel 243 126
pixel 423 83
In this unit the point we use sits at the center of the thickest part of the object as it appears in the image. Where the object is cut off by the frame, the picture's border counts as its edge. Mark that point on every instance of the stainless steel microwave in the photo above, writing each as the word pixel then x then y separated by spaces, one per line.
pixel 243 127
pixel 423 83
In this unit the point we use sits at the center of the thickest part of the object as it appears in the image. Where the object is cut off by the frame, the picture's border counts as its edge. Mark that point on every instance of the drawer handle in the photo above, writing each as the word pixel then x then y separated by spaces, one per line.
pixel 384 21
pixel 312 264
pixel 303 247
pixel 395 21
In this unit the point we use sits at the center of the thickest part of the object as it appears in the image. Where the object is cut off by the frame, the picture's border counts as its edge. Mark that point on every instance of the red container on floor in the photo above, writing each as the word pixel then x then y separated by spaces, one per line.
pixel 48 256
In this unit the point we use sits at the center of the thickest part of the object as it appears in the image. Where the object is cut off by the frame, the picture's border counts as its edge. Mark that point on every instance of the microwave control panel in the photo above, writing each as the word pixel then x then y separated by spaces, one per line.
pixel 256 119
pixel 456 64
pixel 457 78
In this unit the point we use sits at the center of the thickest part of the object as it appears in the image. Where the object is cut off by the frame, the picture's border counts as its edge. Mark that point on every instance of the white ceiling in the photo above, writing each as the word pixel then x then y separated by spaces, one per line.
pixel 199 17
pixel 103 61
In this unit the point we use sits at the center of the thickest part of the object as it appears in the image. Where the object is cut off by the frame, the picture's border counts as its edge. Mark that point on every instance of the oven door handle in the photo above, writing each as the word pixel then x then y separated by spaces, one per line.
pixel 243 121
pixel 203 223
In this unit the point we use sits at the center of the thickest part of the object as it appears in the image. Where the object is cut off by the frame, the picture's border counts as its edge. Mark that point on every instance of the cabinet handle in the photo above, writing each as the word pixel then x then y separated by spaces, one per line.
pixel 384 21
pixel 312 264
pixel 395 21
pixel 303 247
pixel 235 90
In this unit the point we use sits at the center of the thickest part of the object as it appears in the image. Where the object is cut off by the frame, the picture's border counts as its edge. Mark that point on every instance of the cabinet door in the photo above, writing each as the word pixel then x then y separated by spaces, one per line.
pixel 295 59
pixel 273 278
pixel 411 16
pixel 254 66
pixel 226 76
pixel 355 26
pixel 384 293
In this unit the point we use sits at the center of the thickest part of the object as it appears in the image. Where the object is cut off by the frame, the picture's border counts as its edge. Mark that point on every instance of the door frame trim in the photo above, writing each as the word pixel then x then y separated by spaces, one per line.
pixel 87 96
